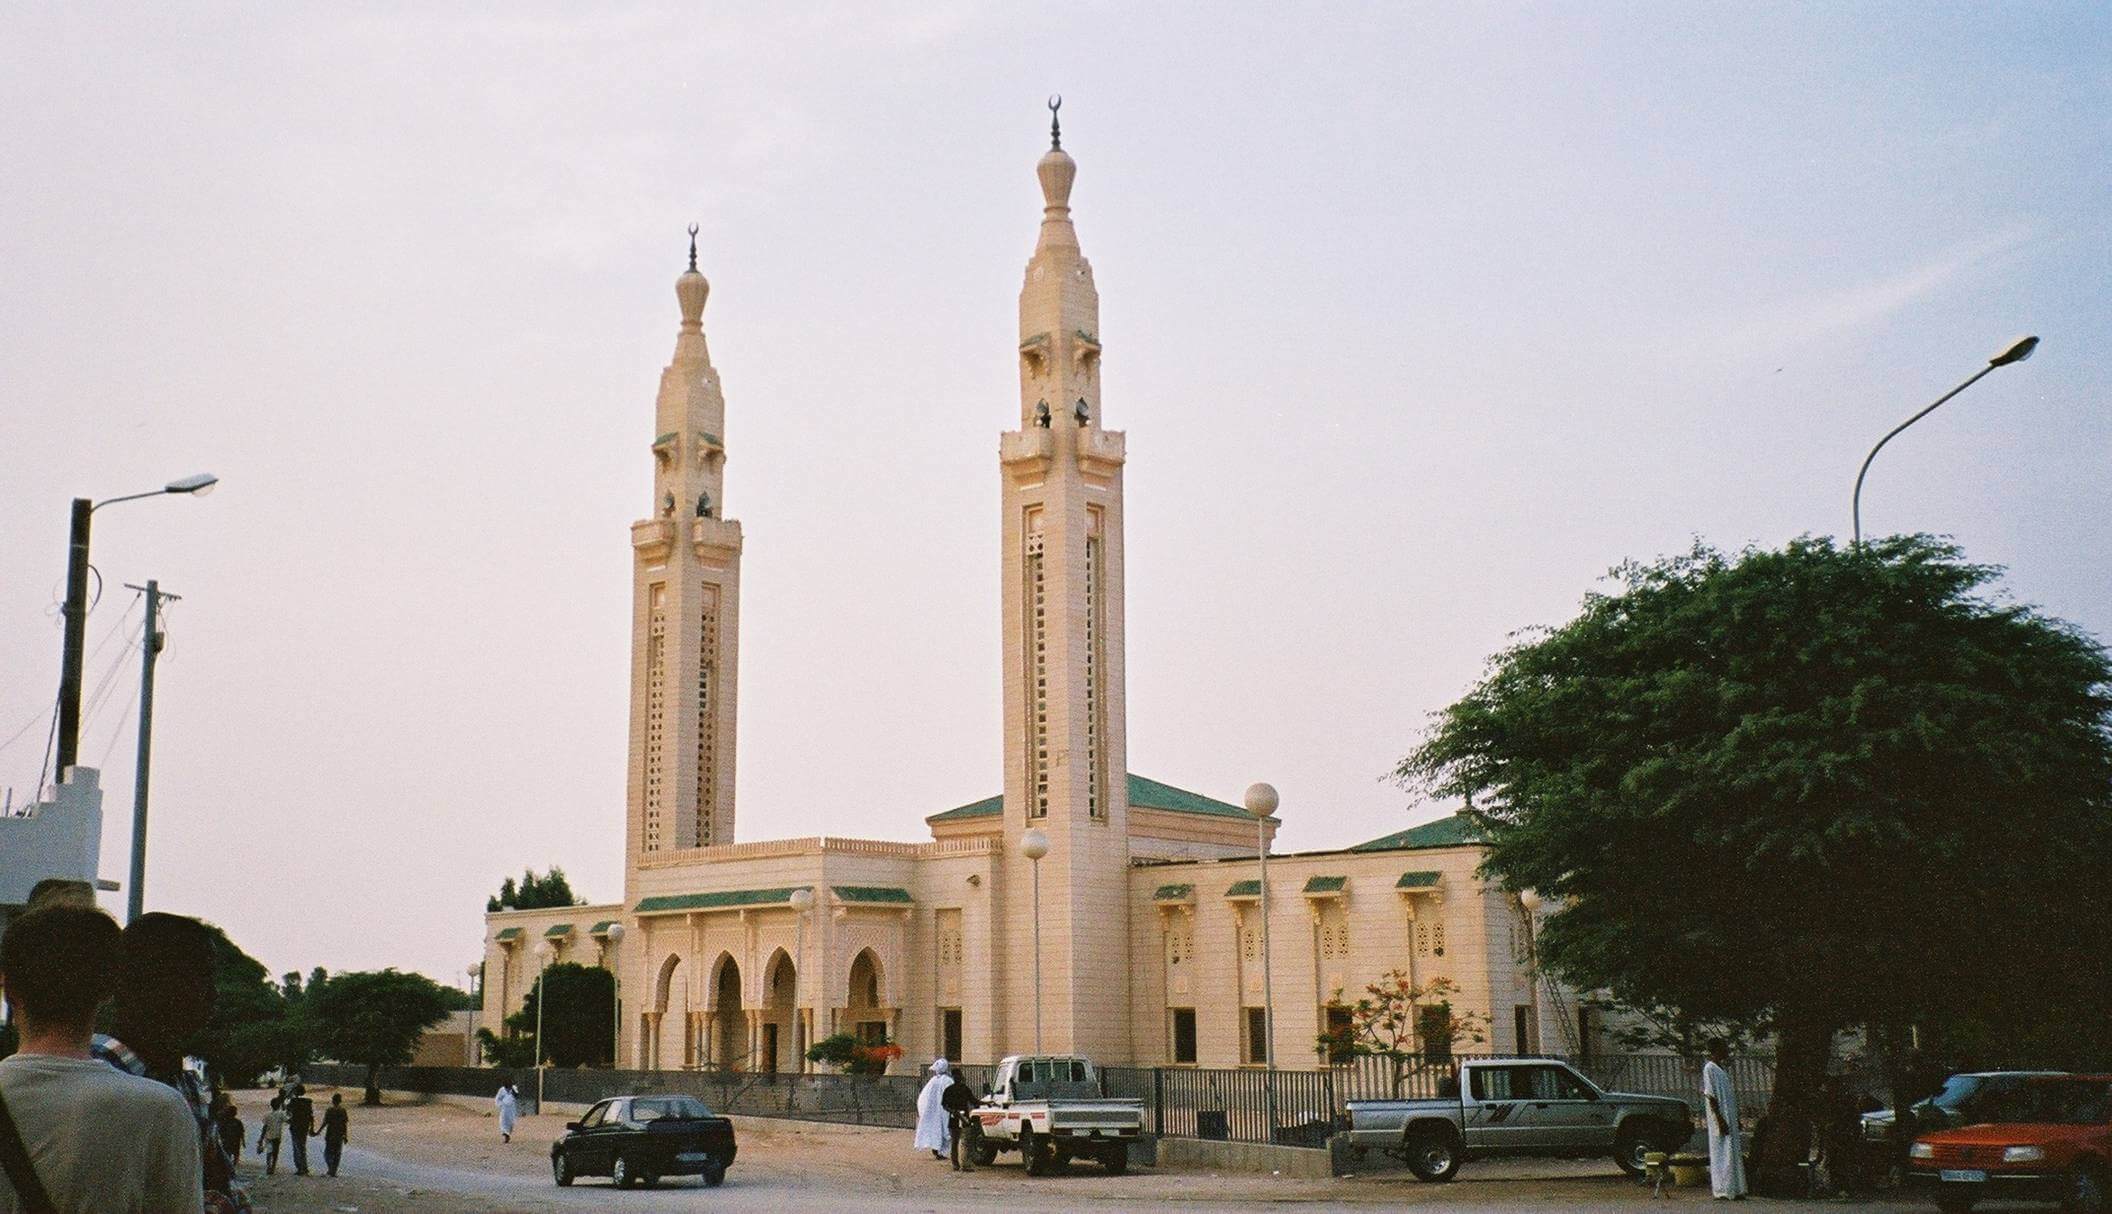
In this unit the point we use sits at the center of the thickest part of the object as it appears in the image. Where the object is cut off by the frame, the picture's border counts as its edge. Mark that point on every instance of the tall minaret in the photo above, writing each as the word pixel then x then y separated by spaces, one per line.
pixel 685 609
pixel 1065 741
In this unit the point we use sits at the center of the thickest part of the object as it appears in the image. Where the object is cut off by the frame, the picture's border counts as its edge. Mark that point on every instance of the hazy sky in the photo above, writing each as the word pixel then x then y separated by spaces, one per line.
pixel 1419 318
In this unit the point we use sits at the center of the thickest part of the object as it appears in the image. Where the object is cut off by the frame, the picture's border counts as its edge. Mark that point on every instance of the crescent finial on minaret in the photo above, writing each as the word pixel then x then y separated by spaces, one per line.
pixel 692 246
pixel 1055 127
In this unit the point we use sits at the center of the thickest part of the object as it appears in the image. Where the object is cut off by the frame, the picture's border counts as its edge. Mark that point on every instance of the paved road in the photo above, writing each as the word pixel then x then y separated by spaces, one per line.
pixel 440 1158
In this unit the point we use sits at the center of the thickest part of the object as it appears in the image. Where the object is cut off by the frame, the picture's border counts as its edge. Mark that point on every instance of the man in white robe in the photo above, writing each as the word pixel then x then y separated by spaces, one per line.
pixel 1726 1143
pixel 508 1107
pixel 931 1112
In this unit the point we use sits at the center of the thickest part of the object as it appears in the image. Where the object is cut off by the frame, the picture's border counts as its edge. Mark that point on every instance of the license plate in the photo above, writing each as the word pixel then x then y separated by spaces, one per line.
pixel 1965 1175
pixel 693 1157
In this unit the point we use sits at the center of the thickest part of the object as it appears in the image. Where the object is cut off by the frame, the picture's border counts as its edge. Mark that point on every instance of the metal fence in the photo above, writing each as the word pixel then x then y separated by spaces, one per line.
pixel 1284 1107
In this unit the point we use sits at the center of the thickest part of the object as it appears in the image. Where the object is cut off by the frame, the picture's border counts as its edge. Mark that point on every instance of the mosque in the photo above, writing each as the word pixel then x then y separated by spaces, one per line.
pixel 1147 896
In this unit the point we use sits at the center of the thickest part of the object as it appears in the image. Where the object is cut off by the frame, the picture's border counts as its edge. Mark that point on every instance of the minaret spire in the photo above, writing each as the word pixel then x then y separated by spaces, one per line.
pixel 1055 127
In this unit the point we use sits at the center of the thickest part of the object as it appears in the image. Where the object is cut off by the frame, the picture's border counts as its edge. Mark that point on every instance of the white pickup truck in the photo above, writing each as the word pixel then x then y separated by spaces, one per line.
pixel 1518 1106
pixel 1049 1109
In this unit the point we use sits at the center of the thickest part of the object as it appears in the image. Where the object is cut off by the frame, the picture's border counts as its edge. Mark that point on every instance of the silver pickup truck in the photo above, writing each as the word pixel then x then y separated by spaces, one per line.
pixel 1518 1106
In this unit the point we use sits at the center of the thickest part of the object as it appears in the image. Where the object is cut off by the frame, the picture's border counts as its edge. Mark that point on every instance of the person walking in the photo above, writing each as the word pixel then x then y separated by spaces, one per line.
pixel 78 1136
pixel 508 1104
pixel 336 1125
pixel 300 1127
pixel 1726 1142
pixel 931 1111
pixel 269 1134
pixel 231 1130
pixel 959 1102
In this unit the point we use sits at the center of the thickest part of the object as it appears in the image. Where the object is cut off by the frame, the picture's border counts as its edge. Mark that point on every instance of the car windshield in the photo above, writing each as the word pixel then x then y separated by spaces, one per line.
pixel 653 1108
pixel 2050 1102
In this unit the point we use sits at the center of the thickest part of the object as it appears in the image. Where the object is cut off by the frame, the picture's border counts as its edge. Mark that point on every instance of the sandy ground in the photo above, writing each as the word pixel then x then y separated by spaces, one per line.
pixel 436 1157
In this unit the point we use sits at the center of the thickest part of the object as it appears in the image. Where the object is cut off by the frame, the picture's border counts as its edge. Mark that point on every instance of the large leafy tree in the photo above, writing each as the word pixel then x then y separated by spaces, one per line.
pixel 373 1018
pixel 579 1023
pixel 534 892
pixel 1803 790
pixel 250 1031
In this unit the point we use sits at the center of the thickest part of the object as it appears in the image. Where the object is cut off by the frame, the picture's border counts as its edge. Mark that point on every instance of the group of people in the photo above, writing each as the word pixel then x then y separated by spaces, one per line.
pixel 118 1123
pixel 292 1114
pixel 944 1121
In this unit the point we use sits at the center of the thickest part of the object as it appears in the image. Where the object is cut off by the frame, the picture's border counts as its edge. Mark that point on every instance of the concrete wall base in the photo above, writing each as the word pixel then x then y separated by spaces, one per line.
pixel 1304 1163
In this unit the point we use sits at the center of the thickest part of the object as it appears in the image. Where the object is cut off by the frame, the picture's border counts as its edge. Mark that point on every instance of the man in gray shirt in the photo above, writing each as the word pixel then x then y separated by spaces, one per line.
pixel 93 1139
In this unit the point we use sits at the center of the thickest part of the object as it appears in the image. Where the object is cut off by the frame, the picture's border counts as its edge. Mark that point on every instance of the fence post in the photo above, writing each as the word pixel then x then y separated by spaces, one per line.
pixel 1158 1102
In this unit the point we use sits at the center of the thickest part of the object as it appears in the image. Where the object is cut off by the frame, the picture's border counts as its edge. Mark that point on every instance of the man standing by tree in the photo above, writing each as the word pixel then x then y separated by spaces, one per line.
pixel 1726 1142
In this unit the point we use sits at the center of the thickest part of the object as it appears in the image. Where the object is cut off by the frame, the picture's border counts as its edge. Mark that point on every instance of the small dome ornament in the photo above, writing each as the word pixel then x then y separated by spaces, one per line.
pixel 692 289
pixel 1057 170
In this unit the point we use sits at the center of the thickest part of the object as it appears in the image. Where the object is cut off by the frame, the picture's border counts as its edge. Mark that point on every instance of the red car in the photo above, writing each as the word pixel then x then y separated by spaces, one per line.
pixel 2049 1139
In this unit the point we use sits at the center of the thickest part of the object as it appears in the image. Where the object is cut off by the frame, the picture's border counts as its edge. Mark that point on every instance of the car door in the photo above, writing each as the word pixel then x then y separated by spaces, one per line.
pixel 1565 1110
pixel 1489 1115
pixel 589 1156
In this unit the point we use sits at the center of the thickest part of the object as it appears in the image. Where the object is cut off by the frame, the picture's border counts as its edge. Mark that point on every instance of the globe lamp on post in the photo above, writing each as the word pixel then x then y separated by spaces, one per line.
pixel 1261 801
pixel 802 902
pixel 1034 845
pixel 612 950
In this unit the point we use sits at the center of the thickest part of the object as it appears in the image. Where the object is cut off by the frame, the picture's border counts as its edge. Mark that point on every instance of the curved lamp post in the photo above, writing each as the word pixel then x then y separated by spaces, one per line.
pixel 1034 845
pixel 543 953
pixel 1530 902
pixel 614 938
pixel 1261 801
pixel 802 902
pixel 77 608
pixel 2015 352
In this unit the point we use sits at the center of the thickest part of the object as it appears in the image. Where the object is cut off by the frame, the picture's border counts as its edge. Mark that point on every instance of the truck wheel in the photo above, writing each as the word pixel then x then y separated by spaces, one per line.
pixel 1039 1155
pixel 1432 1156
pixel 1629 1147
pixel 1115 1158
pixel 981 1151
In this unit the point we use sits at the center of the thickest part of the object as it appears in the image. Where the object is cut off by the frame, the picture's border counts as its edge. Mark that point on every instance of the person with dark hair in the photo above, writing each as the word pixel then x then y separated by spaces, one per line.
pixel 165 997
pixel 271 1133
pixel 336 1126
pixel 77 1137
pixel 1726 1141
pixel 300 1126
pixel 959 1102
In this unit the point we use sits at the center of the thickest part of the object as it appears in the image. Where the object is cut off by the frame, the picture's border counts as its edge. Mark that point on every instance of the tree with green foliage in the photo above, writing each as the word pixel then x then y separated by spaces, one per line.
pixel 534 893
pixel 250 1031
pixel 374 1018
pixel 1802 791
pixel 580 1024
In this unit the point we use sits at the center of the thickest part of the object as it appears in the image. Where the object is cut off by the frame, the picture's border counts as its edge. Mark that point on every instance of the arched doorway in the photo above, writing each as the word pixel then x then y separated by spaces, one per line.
pixel 865 1017
pixel 729 1035
pixel 668 1042
pixel 779 1048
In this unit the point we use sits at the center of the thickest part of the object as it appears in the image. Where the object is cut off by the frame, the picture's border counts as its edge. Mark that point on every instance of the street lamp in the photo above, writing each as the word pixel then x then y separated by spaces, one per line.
pixel 77 611
pixel 1261 801
pixel 2015 352
pixel 1034 845
pixel 614 938
pixel 802 902
pixel 543 953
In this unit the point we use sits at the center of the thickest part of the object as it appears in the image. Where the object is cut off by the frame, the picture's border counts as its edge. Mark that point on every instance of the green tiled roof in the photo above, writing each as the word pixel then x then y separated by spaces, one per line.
pixel 719 900
pixel 1325 885
pixel 871 893
pixel 1244 889
pixel 601 928
pixel 663 438
pixel 1143 794
pixel 1423 879
pixel 1451 831
pixel 711 438
pixel 508 933
pixel 558 929
pixel 1172 893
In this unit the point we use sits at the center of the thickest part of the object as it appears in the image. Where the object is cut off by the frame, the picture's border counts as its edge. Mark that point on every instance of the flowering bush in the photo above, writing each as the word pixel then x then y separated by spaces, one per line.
pixel 852 1056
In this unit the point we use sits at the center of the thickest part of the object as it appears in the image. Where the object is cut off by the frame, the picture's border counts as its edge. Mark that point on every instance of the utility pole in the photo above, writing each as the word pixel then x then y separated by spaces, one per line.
pixel 135 894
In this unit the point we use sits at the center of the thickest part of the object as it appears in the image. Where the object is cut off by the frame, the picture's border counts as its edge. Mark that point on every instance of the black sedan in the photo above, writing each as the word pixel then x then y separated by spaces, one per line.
pixel 639 1139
